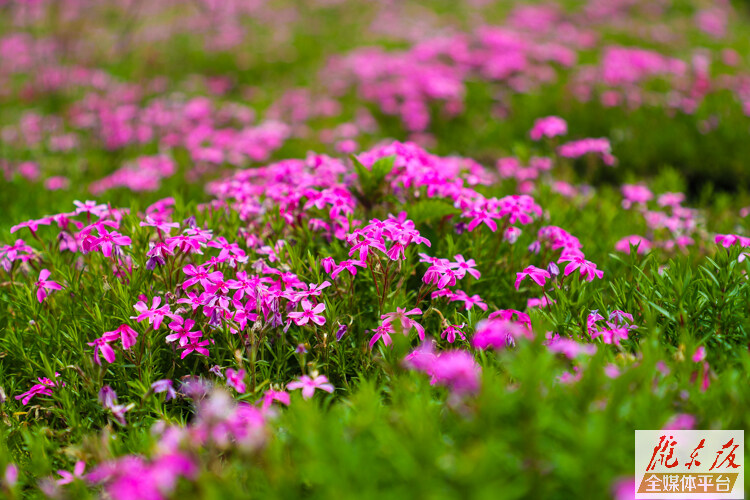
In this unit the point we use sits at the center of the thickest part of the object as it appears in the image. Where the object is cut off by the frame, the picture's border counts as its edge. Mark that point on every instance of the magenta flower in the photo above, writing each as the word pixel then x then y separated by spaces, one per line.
pixel 441 274
pixel 570 348
pixel 235 380
pixel 309 313
pixel 382 332
pixel 635 194
pixel 107 242
pixel 611 335
pixel 496 334
pixel 624 489
pixel 681 421
pixel 328 264
pixel 469 302
pixel 699 355
pixel 90 207
pixel 126 334
pixel 347 265
pixel 463 267
pixel 67 477
pixel 456 370
pixel 200 275
pixel 164 385
pixel 538 276
pixel 482 217
pixel 101 346
pixel 44 388
pixel 406 323
pixel 308 385
pixel 270 396
pixel 643 245
pixel 195 346
pixel 11 475
pixel 587 268
pixel 576 149
pixel 160 225
pixel 727 240
pixel 451 332
pixel 154 314
pixel 42 285
pixel 32 225
pixel 182 329
pixel 550 126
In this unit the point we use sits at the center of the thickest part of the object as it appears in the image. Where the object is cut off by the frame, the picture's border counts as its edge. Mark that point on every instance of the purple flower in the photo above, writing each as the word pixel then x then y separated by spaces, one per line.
pixel 164 385
pixel 341 331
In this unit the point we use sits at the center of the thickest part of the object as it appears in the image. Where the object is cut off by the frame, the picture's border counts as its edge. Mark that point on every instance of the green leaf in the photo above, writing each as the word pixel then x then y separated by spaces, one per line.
pixel 430 210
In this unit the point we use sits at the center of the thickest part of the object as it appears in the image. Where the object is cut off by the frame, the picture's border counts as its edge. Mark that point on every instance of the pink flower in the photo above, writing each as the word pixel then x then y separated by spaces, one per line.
pixel 456 369
pixel 328 264
pixel 406 323
pixel 624 489
pixel 644 246
pixel 90 207
pixel 42 285
pixel 451 332
pixel 308 385
pixel 154 314
pixel 481 217
pixel 32 225
pixel 164 385
pixel 463 267
pixel 570 348
pixel 587 268
pixel 107 242
pixel 635 194
pixel 44 387
pixel 611 370
pixel 160 225
pixel 576 149
pixel 469 302
pixel 681 421
pixel 125 333
pixel 67 477
pixel 670 199
pixel 101 346
pixel 538 276
pixel 10 477
pixel 612 335
pixel 270 396
pixel 382 332
pixel 183 333
pixel 497 334
pixel 56 182
pixel 309 313
pixel 195 346
pixel 699 355
pixel 727 240
pixel 551 126
pixel 235 379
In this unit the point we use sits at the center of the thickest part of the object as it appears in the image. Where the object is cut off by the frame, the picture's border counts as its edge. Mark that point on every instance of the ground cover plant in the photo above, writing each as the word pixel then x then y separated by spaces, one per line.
pixel 336 249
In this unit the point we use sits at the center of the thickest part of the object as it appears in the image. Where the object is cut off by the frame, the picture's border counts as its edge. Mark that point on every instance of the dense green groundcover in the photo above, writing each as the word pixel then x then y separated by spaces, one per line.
pixel 287 196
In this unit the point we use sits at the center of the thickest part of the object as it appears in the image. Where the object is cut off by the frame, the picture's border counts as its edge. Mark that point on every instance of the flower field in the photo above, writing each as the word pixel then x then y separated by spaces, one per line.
pixel 346 248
